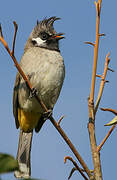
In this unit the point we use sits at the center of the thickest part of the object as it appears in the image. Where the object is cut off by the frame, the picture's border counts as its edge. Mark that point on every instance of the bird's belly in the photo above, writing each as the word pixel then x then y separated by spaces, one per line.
pixel 48 85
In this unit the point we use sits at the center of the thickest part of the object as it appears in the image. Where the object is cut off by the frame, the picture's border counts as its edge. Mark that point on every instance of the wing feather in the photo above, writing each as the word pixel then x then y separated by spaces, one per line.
pixel 15 99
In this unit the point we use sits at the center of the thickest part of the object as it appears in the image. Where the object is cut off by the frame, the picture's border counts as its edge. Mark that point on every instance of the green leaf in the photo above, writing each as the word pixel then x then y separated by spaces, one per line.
pixel 114 121
pixel 7 163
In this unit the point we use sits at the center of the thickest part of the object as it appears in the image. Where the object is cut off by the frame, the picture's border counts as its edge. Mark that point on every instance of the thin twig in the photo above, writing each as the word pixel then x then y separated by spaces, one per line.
pixel 1 31
pixel 95 53
pixel 107 60
pixel 90 43
pixel 59 129
pixel 72 171
pixel 110 110
pixel 22 73
pixel 105 139
pixel 16 28
pixel 59 121
pixel 76 165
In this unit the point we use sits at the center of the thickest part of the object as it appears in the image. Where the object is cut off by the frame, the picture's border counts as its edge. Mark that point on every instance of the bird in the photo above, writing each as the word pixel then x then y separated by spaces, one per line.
pixel 44 66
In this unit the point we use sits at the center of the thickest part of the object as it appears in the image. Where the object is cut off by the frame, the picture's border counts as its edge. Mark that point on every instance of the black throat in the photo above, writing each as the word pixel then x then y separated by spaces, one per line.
pixel 52 49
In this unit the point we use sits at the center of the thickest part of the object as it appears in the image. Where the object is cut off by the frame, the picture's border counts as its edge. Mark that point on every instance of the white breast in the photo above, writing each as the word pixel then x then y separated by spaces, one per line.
pixel 46 71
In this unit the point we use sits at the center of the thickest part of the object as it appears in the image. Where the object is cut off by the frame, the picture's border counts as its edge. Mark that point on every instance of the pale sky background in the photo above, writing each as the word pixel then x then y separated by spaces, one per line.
pixel 78 24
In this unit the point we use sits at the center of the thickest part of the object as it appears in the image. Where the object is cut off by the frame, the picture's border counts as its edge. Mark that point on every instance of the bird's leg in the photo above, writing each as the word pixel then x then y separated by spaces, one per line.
pixel 46 115
pixel 33 93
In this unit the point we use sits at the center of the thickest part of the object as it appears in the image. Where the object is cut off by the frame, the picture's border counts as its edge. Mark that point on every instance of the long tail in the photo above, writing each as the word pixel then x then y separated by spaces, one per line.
pixel 23 155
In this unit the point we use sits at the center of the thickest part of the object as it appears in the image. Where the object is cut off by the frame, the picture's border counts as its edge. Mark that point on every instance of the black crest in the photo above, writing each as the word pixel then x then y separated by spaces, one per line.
pixel 46 25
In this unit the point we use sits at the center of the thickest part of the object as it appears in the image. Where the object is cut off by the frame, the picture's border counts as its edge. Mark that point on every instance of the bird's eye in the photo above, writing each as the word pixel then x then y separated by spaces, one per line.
pixel 44 36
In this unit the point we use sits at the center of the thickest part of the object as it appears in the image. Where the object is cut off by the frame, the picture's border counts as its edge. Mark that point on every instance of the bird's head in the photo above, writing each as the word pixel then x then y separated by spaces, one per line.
pixel 44 35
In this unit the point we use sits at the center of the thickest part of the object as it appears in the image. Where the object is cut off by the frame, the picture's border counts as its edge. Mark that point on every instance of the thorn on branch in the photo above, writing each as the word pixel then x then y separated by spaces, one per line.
pixel 90 43
pixel 102 34
pixel 76 166
pixel 106 81
pixel 111 70
pixel 59 121
pixel 100 76
pixel 97 75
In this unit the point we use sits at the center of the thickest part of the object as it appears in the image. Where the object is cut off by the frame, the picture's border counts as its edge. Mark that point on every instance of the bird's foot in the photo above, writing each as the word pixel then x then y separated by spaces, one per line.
pixel 33 93
pixel 47 115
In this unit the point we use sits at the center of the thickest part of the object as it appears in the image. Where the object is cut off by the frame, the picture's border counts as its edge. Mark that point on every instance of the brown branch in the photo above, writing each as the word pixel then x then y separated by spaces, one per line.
pixel 59 129
pixel 95 153
pixel 105 139
pixel 76 165
pixel 95 52
pixel 91 124
pixel 73 149
pixel 107 60
pixel 110 110
pixel 21 72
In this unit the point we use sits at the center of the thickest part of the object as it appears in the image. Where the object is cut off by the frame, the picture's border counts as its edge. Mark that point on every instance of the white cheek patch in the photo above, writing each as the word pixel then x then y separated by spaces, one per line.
pixel 39 41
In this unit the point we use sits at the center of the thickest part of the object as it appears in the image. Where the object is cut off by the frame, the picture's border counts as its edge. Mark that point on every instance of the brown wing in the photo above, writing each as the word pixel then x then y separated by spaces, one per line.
pixel 15 100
